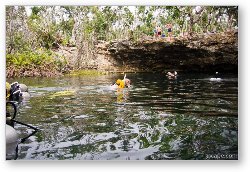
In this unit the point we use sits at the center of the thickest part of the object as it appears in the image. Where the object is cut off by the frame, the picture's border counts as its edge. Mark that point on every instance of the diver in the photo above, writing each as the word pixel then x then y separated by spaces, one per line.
pixel 16 91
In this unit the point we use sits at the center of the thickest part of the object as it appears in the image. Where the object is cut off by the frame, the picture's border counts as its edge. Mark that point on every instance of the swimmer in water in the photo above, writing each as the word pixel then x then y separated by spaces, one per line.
pixel 123 83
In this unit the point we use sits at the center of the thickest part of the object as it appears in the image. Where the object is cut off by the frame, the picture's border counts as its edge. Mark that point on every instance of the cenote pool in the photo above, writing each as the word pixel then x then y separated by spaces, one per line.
pixel 159 118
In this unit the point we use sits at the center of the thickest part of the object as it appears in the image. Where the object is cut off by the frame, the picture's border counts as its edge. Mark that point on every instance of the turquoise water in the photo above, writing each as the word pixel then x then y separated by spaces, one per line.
pixel 188 117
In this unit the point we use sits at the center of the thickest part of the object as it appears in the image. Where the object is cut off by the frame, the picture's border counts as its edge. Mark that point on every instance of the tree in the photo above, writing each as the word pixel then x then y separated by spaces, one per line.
pixel 50 27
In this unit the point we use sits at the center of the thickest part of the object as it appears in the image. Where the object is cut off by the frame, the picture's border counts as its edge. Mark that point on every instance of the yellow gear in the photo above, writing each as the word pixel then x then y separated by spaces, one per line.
pixel 7 89
pixel 120 83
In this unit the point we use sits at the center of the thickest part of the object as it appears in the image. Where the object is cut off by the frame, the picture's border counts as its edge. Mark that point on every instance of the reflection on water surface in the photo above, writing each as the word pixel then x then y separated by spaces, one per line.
pixel 189 117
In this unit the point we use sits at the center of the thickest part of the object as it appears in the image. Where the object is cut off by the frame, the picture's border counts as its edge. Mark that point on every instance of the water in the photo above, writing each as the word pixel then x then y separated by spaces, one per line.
pixel 189 117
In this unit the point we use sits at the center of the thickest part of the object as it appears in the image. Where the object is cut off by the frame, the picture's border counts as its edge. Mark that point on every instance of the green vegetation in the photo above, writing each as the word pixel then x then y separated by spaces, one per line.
pixel 31 39
pixel 29 58
pixel 34 63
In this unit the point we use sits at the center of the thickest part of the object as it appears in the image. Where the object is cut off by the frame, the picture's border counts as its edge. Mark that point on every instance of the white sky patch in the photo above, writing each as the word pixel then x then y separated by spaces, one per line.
pixel 28 10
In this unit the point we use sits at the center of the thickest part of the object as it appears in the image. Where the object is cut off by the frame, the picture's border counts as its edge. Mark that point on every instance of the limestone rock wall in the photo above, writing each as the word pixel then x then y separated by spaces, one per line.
pixel 196 53
pixel 201 53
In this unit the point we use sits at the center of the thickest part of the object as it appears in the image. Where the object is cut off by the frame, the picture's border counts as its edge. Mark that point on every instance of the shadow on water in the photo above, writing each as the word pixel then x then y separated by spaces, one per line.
pixel 189 117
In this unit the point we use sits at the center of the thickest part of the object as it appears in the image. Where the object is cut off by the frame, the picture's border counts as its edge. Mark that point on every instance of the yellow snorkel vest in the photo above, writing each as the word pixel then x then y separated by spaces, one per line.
pixel 120 83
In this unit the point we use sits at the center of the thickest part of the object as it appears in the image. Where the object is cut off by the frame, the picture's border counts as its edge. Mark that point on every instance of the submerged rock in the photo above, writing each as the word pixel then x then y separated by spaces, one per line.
pixel 62 94
pixel 23 87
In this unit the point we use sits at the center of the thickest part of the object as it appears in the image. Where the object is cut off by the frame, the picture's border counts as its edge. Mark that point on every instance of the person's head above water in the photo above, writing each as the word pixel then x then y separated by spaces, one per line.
pixel 127 82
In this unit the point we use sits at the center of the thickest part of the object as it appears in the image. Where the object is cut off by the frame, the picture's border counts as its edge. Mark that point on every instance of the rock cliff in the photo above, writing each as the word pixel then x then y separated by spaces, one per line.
pixel 197 53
